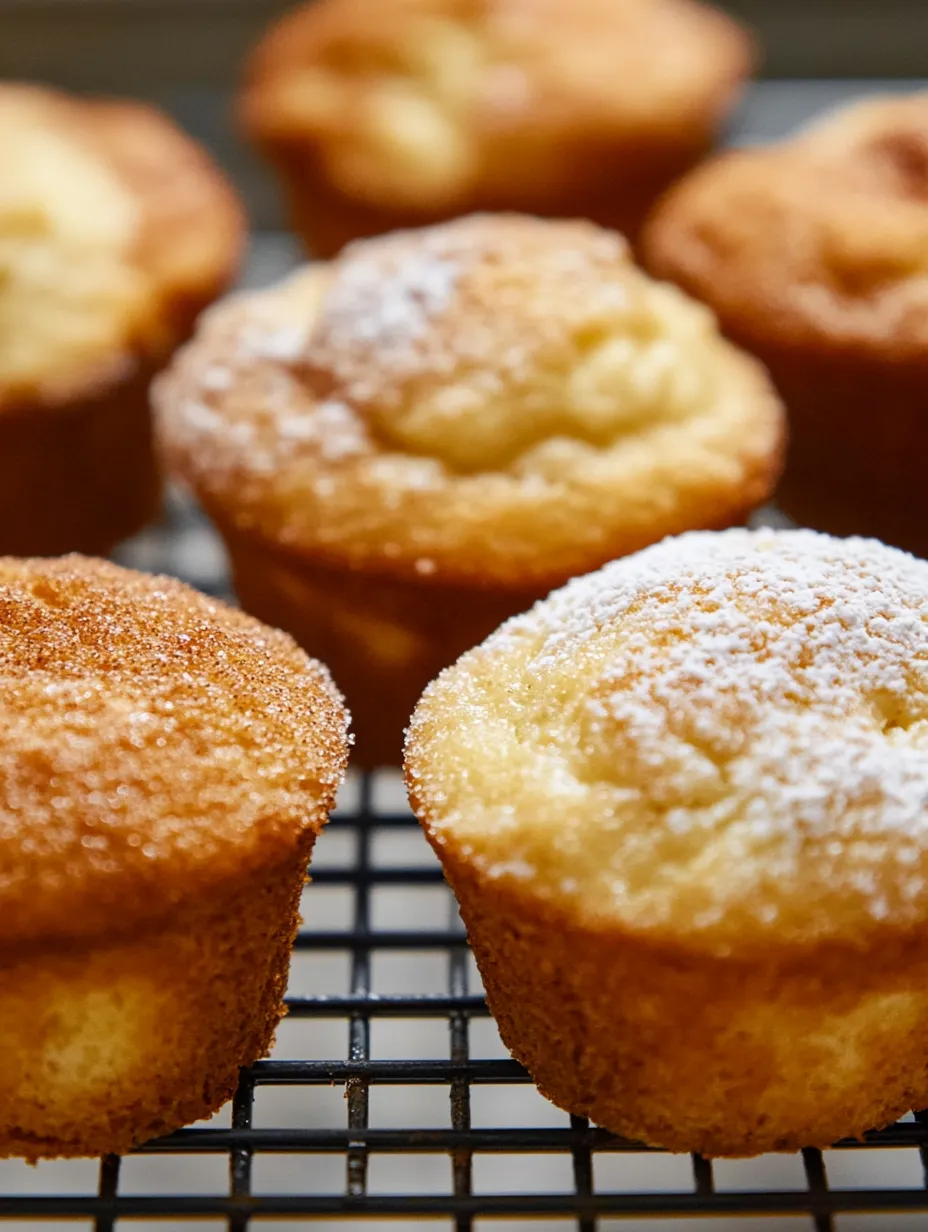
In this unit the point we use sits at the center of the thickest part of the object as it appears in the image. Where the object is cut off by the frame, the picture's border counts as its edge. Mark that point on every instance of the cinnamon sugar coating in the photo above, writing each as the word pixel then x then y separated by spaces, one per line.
pixel 387 113
pixel 155 747
pixel 166 763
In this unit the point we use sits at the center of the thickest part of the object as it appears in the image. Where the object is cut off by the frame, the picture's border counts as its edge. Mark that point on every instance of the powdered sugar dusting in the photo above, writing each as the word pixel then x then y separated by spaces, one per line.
pixel 468 395
pixel 772 667
pixel 466 305
pixel 264 340
pixel 383 301
pixel 754 707
pixel 331 426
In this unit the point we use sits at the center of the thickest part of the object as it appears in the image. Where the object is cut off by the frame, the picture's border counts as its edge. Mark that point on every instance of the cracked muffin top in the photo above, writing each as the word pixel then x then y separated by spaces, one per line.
pixel 499 399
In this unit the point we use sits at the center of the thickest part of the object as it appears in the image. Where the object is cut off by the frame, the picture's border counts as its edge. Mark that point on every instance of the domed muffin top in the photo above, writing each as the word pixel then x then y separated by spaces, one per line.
pixel 111 224
pixel 720 742
pixel 423 102
pixel 153 742
pixel 820 240
pixel 499 398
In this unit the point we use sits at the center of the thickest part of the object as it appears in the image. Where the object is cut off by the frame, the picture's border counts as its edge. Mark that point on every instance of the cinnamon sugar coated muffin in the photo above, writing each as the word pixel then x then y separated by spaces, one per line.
pixel 165 765
pixel 379 114
pixel 413 443
pixel 115 230
pixel 813 254
pixel 683 804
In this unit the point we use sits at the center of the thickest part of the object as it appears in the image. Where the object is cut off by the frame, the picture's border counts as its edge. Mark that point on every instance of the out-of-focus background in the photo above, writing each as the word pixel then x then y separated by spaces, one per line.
pixel 185 55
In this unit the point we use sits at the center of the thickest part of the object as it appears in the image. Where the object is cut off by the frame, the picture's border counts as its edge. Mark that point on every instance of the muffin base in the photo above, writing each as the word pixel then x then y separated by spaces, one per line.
pixel 700 1053
pixel 383 639
pixel 857 436
pixel 80 476
pixel 326 219
pixel 119 1041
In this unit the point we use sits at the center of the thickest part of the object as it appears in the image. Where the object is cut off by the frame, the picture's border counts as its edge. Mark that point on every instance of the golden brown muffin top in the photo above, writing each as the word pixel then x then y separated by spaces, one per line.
pixel 821 240
pixel 720 743
pixel 114 230
pixel 420 102
pixel 499 400
pixel 154 744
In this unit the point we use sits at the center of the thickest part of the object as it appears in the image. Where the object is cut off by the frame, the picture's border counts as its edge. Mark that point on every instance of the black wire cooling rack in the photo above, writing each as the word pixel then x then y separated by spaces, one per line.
pixel 332 1127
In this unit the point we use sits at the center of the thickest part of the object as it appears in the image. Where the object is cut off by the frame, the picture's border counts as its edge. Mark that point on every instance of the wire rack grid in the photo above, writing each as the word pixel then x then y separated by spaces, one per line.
pixel 390 1097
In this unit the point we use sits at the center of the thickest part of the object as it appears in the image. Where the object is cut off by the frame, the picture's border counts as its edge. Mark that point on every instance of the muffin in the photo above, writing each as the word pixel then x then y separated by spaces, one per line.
pixel 381 114
pixel 683 804
pixel 408 445
pixel 115 231
pixel 165 765
pixel 813 255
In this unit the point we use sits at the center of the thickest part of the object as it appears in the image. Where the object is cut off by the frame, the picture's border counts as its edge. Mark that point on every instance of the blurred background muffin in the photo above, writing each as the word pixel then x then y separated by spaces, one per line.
pixel 814 255
pixel 408 445
pixel 115 231
pixel 378 114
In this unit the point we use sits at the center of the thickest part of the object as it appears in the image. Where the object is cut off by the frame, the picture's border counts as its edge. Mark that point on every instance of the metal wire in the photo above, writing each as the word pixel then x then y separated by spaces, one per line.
pixel 577 1141
pixel 460 1073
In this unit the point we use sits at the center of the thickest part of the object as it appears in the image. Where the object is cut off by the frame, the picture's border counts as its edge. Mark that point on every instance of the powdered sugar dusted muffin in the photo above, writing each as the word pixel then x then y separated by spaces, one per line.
pixel 413 443
pixel 684 806
pixel 166 763
pixel 115 231
pixel 812 253
pixel 386 113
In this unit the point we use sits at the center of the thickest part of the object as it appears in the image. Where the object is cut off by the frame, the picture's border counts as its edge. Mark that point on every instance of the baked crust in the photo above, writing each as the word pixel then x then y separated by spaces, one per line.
pixel 683 805
pixel 499 402
pixel 409 111
pixel 116 1041
pixel 155 747
pixel 83 474
pixel 693 1053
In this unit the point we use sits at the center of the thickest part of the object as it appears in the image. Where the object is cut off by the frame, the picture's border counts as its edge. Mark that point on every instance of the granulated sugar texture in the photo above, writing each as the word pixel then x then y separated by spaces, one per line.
pixel 153 745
